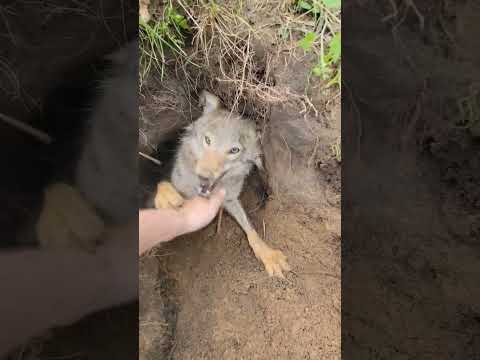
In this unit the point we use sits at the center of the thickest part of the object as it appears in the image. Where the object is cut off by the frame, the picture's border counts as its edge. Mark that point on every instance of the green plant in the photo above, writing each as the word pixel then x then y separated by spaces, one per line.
pixel 308 40
pixel 329 62
pixel 159 36
pixel 325 39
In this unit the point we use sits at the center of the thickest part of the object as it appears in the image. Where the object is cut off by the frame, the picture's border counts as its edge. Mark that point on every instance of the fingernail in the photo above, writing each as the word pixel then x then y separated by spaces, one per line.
pixel 223 192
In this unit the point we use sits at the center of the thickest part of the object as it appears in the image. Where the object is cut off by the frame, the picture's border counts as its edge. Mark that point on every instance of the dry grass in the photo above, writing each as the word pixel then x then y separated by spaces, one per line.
pixel 223 47
pixel 31 350
pixel 226 50
pixel 401 9
pixel 235 50
pixel 10 84
pixel 28 129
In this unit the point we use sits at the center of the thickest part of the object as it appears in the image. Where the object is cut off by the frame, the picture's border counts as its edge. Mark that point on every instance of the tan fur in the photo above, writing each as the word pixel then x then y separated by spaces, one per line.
pixel 210 164
pixel 144 13
pixel 206 163
pixel 273 260
pixel 67 220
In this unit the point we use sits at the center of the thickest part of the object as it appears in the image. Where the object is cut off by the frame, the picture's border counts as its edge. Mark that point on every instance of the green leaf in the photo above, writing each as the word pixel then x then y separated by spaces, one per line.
pixel 307 42
pixel 333 4
pixel 182 22
pixel 317 70
pixel 304 5
pixel 335 50
pixel 322 70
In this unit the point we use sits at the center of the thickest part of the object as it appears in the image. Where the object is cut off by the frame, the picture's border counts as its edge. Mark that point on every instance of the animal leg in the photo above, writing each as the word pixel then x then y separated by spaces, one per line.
pixel 274 260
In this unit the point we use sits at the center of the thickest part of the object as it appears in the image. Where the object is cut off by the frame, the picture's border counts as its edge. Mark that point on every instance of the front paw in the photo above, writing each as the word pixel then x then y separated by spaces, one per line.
pixel 274 261
pixel 167 196
pixel 67 220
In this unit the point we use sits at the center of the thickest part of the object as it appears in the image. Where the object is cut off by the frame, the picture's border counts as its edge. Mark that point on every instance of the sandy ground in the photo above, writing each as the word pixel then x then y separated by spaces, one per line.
pixel 228 308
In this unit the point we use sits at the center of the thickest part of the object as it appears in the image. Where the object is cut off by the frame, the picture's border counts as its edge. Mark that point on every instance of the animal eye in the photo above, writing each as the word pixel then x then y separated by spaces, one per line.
pixel 207 140
pixel 234 150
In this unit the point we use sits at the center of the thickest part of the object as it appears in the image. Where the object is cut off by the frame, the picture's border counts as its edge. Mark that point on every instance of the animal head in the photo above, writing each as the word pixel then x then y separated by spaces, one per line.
pixel 220 142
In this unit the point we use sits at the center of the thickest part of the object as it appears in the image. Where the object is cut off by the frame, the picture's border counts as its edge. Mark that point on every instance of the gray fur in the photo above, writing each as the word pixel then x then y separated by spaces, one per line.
pixel 226 130
pixel 107 170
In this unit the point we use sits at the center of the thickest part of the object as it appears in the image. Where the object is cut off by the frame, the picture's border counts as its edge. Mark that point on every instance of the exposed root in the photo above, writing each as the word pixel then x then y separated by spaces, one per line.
pixel 225 51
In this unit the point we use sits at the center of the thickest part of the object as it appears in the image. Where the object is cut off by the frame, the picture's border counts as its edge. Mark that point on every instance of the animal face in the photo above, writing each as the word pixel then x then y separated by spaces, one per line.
pixel 220 144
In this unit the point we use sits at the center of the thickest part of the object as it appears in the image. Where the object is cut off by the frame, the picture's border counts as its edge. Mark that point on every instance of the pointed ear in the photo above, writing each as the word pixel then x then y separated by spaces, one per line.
pixel 209 102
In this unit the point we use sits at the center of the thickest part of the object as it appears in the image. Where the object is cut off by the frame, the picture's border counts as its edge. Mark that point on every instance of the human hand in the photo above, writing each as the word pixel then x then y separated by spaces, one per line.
pixel 199 211
pixel 161 225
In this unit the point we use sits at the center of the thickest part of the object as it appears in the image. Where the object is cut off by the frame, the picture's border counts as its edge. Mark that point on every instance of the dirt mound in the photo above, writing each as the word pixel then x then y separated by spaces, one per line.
pixel 228 308
pixel 226 305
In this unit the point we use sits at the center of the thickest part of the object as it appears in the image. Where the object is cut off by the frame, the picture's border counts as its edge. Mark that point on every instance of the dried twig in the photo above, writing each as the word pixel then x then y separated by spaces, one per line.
pixel 152 159
pixel 38 134
pixel 219 222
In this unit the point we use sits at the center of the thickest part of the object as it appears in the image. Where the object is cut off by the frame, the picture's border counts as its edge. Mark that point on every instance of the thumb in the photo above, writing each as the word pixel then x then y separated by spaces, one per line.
pixel 217 197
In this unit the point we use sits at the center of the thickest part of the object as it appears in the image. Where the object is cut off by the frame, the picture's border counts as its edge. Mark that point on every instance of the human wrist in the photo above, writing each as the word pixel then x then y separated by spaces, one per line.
pixel 183 222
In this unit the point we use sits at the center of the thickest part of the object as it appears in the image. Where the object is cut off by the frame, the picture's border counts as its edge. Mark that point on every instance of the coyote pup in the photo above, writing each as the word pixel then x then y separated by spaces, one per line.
pixel 219 149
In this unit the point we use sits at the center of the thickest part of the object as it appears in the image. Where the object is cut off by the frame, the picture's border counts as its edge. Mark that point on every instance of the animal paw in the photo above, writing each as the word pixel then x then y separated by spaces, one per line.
pixel 167 196
pixel 274 261
pixel 67 220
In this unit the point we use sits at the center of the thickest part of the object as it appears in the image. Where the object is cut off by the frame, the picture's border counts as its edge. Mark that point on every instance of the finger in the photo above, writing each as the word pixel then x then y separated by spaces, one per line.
pixel 217 197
